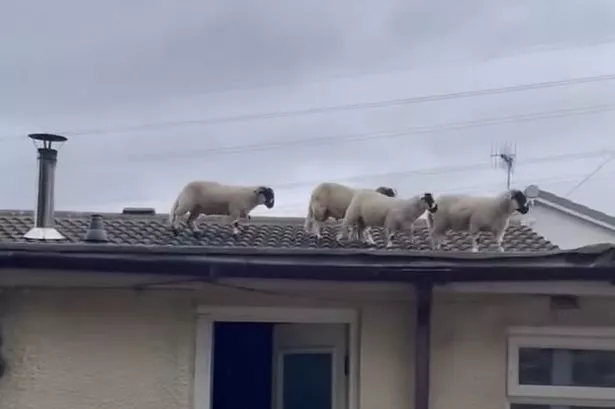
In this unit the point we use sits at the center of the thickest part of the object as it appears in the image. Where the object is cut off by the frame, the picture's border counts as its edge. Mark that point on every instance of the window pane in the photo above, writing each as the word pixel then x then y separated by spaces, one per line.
pixel 307 382
pixel 567 367
pixel 532 406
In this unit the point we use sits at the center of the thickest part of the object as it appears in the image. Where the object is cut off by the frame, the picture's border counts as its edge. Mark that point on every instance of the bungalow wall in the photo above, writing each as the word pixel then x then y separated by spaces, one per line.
pixel 75 349
pixel 70 349
pixel 469 342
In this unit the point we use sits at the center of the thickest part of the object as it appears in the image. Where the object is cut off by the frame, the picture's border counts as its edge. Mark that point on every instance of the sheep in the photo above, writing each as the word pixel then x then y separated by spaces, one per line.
pixel 394 214
pixel 331 199
pixel 475 214
pixel 213 198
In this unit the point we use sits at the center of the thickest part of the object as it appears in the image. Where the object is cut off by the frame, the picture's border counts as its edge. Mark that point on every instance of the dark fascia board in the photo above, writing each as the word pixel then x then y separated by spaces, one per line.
pixel 596 262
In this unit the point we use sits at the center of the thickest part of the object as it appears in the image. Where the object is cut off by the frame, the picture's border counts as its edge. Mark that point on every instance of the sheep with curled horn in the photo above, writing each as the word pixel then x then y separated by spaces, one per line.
pixel 213 198
pixel 476 214
pixel 370 209
pixel 330 199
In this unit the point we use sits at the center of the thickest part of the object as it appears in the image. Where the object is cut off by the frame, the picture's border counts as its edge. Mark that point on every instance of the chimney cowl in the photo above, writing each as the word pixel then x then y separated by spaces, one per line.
pixel 96 231
pixel 44 218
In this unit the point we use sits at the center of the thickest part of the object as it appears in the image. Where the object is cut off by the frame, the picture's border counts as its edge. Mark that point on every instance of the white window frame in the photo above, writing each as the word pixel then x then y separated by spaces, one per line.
pixel 207 315
pixel 557 337
pixel 281 353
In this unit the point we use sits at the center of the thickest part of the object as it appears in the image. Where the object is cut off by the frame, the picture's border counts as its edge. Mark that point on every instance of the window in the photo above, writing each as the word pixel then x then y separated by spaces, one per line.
pixel 561 368
pixel 306 379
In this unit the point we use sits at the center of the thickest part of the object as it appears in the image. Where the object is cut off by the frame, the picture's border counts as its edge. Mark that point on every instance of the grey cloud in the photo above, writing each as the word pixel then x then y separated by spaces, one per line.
pixel 71 66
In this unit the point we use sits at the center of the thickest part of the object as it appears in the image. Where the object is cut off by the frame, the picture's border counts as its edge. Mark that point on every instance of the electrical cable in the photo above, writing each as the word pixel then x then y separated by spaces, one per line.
pixel 470 188
pixel 338 139
pixel 355 106
pixel 590 175
pixel 447 169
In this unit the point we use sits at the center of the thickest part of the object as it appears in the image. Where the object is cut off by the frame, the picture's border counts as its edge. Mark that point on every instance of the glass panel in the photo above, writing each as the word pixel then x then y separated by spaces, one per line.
pixel 567 367
pixel 532 406
pixel 307 382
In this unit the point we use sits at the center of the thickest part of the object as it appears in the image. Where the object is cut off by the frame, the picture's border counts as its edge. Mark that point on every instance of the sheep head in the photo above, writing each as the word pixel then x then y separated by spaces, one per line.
pixel 265 196
pixel 429 202
pixel 519 201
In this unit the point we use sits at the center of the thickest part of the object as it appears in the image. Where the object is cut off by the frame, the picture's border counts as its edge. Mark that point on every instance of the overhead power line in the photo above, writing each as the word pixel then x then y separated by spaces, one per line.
pixel 474 187
pixel 449 169
pixel 340 139
pixel 540 48
pixel 351 107
pixel 590 175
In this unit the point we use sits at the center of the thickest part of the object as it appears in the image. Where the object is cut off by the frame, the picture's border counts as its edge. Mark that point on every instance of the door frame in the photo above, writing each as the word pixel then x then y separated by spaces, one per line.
pixel 207 315
pixel 279 366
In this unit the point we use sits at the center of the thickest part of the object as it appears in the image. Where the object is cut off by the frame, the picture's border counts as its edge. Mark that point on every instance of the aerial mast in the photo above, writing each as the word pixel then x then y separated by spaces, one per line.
pixel 504 157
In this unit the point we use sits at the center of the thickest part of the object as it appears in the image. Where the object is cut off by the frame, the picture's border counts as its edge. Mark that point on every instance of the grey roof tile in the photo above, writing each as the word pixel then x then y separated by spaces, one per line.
pixel 266 232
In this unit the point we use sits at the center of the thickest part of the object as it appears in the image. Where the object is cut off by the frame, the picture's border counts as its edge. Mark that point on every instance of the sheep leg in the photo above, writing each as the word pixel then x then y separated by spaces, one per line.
pixel 235 227
pixel 436 241
pixel 390 236
pixel 475 241
pixel 310 227
pixel 316 229
pixel 412 238
pixel 367 233
pixel 343 232
pixel 191 222
pixel 359 233
pixel 499 238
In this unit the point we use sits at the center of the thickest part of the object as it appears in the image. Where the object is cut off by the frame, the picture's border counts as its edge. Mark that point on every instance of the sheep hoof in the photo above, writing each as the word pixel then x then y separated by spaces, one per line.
pixel 500 249
pixel 389 244
pixel 475 249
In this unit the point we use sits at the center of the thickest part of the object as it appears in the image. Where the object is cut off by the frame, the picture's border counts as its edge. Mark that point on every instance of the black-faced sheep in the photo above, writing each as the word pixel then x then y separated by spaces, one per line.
pixel 330 199
pixel 476 214
pixel 370 209
pixel 213 198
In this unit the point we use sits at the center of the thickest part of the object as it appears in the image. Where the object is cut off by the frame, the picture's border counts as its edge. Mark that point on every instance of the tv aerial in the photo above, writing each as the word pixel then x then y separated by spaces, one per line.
pixel 504 157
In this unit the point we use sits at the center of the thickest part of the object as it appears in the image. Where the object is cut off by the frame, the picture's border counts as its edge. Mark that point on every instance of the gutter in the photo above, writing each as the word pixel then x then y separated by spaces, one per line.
pixel 597 263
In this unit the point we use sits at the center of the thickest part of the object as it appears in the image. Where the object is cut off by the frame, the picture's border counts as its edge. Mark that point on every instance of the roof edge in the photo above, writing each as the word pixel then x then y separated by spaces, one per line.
pixel 573 212
pixel 589 262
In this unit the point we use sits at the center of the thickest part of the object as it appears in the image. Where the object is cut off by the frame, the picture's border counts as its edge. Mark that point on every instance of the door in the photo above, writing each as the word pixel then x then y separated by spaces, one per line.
pixel 310 366
pixel 242 358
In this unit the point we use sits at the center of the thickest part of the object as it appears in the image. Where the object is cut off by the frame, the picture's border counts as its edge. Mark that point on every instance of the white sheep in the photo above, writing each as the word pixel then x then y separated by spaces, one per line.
pixel 330 199
pixel 475 214
pixel 213 198
pixel 370 209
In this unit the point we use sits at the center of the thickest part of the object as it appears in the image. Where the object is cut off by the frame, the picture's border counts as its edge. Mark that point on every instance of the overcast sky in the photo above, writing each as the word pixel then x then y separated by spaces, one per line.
pixel 155 93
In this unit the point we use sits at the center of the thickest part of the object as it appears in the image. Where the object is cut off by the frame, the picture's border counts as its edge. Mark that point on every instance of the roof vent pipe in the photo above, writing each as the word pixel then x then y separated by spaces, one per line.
pixel 44 219
pixel 96 232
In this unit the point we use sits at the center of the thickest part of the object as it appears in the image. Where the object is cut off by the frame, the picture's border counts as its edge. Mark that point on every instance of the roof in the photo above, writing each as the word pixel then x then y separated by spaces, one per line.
pixel 260 232
pixel 272 247
pixel 576 207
